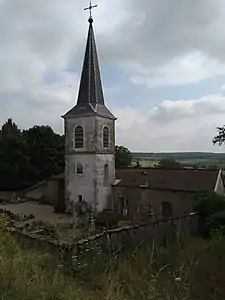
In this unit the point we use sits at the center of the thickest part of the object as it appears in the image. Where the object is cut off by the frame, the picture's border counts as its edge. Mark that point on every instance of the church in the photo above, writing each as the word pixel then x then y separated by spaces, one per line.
pixel 90 176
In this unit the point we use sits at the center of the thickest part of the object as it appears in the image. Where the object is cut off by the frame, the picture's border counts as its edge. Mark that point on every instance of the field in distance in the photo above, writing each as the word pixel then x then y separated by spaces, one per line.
pixel 199 159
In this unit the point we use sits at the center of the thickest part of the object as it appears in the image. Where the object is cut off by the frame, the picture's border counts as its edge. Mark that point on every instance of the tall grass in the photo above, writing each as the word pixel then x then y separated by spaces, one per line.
pixel 195 271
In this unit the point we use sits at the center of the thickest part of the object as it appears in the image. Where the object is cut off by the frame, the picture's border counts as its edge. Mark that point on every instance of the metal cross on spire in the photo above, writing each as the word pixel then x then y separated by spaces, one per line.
pixel 90 8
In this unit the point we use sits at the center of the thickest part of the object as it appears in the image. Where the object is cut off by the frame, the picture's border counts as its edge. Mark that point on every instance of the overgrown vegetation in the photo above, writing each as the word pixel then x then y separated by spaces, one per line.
pixel 211 209
pixel 192 270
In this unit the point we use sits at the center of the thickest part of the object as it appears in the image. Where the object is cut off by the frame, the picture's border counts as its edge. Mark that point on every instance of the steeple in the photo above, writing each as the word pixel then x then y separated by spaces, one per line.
pixel 89 138
pixel 90 96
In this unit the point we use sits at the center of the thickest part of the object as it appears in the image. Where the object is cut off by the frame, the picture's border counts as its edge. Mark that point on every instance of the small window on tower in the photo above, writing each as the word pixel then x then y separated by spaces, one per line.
pixel 106 169
pixel 80 169
pixel 105 137
pixel 106 174
pixel 79 137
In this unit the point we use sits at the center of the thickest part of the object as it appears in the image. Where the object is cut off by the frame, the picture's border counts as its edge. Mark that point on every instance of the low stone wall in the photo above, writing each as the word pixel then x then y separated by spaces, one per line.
pixel 160 233
pixel 129 237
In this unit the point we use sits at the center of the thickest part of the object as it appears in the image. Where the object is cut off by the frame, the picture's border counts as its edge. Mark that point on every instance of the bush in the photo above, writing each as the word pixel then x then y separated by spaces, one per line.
pixel 107 219
pixel 217 223
pixel 211 209
pixel 208 203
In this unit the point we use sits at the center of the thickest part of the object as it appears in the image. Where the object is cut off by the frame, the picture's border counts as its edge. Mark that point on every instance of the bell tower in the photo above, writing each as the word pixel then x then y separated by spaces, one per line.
pixel 90 138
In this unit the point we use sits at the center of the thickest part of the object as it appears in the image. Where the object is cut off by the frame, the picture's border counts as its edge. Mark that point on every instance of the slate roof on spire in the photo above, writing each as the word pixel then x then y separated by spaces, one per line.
pixel 90 97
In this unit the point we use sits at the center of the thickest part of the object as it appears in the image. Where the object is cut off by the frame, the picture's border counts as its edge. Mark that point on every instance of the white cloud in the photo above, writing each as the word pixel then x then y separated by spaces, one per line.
pixel 155 43
pixel 190 68
pixel 185 125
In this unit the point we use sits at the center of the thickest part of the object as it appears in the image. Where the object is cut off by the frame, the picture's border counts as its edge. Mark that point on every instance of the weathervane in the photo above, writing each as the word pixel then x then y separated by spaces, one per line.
pixel 90 8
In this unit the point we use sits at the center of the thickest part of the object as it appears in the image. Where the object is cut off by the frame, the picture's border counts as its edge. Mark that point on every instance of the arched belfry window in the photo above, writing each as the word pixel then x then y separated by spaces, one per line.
pixel 105 137
pixel 79 137
pixel 79 169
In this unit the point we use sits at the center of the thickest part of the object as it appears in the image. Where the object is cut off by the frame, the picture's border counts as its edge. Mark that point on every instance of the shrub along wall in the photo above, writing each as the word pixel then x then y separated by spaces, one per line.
pixel 110 241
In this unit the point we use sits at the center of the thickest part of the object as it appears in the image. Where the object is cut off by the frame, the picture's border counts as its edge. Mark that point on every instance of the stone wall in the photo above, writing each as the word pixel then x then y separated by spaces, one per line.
pixel 129 237
pixel 36 192
pixel 161 233
pixel 140 199
pixel 49 192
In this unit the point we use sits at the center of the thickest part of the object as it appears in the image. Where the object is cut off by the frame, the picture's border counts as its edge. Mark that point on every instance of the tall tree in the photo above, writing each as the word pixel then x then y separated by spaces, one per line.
pixel 46 151
pixel 219 139
pixel 123 157
pixel 29 156
pixel 13 161
pixel 169 163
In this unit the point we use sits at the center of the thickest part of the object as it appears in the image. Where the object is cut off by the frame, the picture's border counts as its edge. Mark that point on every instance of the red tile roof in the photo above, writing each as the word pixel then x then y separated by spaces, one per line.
pixel 179 180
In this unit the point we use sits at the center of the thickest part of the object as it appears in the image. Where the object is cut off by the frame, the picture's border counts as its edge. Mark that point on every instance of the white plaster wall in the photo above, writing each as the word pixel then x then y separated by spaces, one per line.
pixel 80 184
pixel 104 181
pixel 93 185
pixel 219 188
pixel 88 124
pixel 100 123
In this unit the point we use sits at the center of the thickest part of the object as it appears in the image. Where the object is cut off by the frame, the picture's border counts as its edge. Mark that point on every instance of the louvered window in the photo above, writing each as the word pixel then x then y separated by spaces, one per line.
pixel 79 137
pixel 105 137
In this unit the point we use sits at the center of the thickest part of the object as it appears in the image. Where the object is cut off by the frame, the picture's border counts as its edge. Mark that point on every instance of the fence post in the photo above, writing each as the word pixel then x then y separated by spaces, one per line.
pixel 108 239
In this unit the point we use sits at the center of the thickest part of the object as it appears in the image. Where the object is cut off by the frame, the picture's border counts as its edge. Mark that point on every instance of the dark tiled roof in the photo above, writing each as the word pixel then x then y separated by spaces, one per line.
pixel 179 180
pixel 90 96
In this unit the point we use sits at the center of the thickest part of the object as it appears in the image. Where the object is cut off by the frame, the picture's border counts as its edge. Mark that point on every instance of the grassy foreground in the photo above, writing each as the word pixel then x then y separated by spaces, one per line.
pixel 194 270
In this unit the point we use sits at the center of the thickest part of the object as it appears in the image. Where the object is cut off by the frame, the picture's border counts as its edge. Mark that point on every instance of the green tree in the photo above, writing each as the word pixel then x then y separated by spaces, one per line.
pixel 208 203
pixel 123 157
pixel 46 151
pixel 211 209
pixel 137 164
pixel 219 139
pixel 10 128
pixel 13 160
pixel 169 163
pixel 29 156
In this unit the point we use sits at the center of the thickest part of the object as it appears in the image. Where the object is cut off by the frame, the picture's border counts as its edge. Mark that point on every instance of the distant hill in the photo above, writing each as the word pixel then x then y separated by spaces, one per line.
pixel 202 159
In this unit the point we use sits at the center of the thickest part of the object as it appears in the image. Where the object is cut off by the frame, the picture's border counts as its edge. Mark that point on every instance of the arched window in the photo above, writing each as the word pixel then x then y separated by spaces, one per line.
pixel 80 169
pixel 105 137
pixel 166 209
pixel 124 206
pixel 79 137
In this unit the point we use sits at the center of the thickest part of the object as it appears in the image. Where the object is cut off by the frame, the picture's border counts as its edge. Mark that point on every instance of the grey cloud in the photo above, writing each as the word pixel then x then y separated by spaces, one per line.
pixel 169 28
pixel 172 128
pixel 172 111
pixel 46 37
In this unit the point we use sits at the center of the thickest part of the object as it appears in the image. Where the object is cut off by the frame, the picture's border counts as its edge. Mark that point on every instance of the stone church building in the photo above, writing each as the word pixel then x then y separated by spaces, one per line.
pixel 90 174
pixel 90 138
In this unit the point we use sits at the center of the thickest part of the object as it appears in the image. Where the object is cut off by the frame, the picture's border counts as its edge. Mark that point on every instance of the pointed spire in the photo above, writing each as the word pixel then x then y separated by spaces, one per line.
pixel 90 95
pixel 90 85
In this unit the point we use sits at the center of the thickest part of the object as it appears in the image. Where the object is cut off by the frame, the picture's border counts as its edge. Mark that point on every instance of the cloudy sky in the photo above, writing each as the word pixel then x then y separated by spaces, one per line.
pixel 162 65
